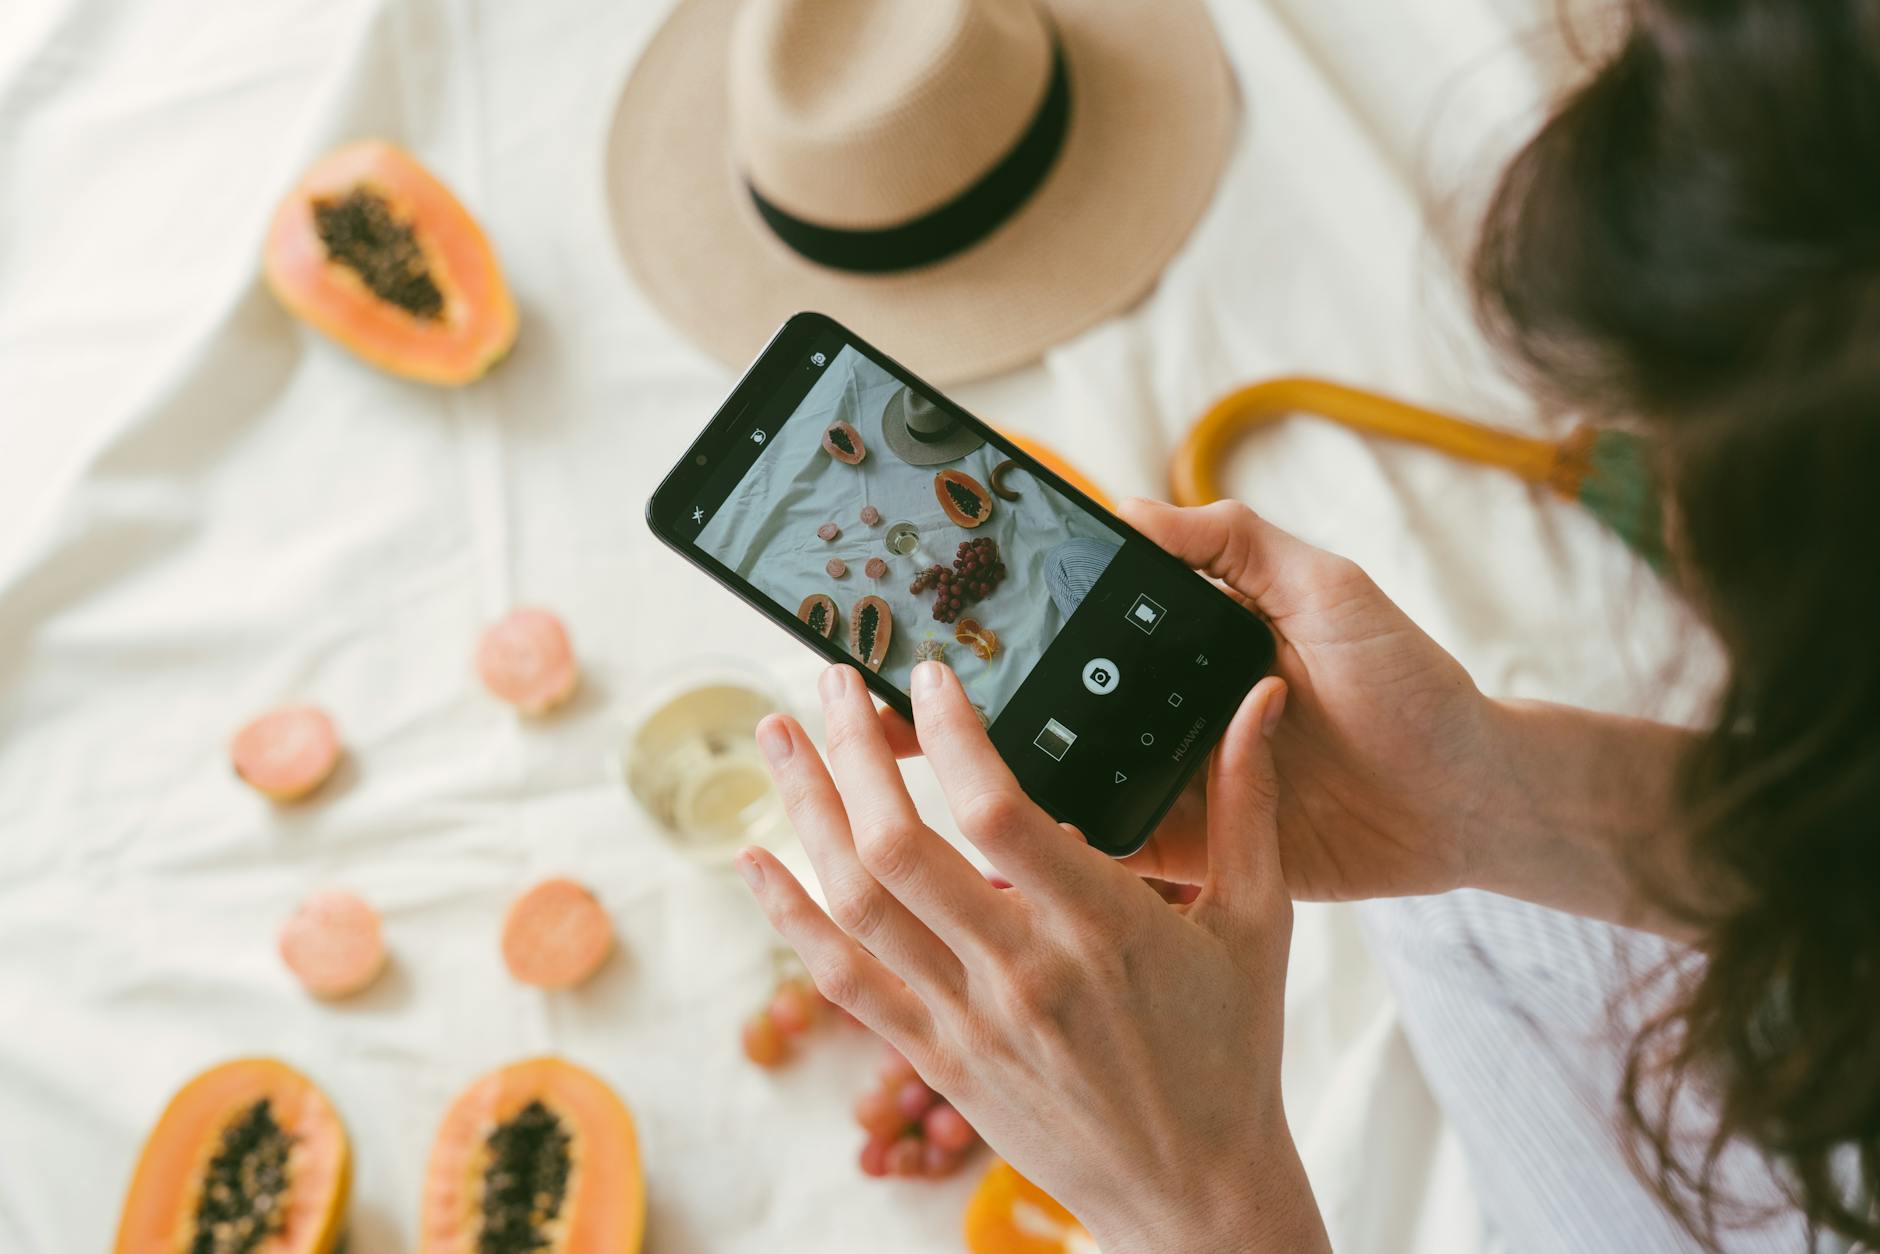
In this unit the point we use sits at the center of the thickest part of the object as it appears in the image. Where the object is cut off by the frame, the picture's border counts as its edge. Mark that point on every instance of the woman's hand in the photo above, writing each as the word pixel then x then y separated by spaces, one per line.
pixel 1121 1053
pixel 1385 737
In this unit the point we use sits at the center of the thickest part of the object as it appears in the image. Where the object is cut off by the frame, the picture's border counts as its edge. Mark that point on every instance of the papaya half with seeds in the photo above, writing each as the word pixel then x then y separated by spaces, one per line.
pixel 871 627
pixel 541 1156
pixel 247 1156
pixel 963 497
pixel 373 250
pixel 844 443
pixel 819 612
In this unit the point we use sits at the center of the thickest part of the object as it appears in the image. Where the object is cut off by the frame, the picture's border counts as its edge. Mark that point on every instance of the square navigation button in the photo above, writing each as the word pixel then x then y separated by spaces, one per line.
pixel 1146 614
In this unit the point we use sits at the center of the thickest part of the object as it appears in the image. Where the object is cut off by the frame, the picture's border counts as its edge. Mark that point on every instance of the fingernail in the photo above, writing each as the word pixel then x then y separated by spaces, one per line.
pixel 834 681
pixel 773 738
pixel 927 679
pixel 1275 706
pixel 751 869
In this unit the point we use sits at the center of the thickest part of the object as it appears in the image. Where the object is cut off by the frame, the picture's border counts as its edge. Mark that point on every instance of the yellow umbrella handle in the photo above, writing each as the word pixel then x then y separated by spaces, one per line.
pixel 1192 474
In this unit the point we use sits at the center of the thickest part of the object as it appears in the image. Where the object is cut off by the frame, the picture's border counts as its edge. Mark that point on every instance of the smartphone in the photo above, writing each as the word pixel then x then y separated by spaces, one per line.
pixel 881 524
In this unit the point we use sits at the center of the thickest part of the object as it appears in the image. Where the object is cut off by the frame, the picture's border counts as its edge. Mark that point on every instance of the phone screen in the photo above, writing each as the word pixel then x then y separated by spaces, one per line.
pixel 885 525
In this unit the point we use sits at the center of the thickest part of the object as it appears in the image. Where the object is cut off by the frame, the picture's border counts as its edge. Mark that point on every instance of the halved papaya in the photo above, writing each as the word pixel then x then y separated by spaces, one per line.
pixel 371 249
pixel 538 1155
pixel 871 626
pixel 844 442
pixel 248 1156
pixel 963 497
pixel 1008 1214
pixel 819 612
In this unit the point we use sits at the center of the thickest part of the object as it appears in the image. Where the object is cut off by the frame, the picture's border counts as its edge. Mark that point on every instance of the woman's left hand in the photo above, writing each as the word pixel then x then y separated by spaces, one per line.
pixel 1121 1053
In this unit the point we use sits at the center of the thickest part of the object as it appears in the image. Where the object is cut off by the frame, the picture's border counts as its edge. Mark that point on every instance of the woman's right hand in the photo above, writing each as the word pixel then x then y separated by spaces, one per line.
pixel 1384 733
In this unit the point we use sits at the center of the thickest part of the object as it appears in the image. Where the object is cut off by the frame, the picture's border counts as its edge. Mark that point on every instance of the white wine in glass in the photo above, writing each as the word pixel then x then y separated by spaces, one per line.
pixel 692 761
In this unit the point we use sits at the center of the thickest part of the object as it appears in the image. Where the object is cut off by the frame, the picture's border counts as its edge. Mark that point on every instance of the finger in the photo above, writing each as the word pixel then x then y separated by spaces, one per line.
pixel 900 733
pixel 1178 850
pixel 1232 543
pixel 1027 845
pixel 1243 805
pixel 864 909
pixel 925 873
pixel 842 970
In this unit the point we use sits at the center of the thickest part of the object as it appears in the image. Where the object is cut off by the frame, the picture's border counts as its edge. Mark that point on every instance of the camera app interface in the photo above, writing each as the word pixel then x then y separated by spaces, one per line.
pixel 894 530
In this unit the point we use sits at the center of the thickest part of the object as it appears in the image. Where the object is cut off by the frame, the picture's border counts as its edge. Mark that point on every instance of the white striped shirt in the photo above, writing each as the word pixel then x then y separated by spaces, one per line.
pixel 1517 1019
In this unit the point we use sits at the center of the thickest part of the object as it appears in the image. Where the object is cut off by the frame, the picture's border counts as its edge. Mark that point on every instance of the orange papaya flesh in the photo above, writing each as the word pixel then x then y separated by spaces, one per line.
pixel 536 1156
pixel 964 498
pixel 1008 1214
pixel 844 443
pixel 871 629
pixel 819 612
pixel 373 250
pixel 248 1158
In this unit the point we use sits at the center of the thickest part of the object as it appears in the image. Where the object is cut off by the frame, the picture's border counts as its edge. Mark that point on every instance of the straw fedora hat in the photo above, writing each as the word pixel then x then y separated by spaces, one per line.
pixel 920 433
pixel 966 182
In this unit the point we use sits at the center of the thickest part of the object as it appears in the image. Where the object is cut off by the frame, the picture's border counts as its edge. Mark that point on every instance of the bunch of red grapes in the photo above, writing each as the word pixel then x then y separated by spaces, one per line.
pixel 976 571
pixel 912 1131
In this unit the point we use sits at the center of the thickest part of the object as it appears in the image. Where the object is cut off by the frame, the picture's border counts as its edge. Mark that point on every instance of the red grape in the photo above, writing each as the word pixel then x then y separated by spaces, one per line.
pixel 875 1155
pixel 914 1099
pixel 947 1128
pixel 895 1070
pixel 906 1157
pixel 936 1160
pixel 792 1007
pixel 877 1112
pixel 763 1043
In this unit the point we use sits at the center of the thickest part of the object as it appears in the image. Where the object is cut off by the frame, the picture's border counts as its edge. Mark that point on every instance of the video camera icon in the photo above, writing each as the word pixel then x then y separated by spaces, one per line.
pixel 1146 615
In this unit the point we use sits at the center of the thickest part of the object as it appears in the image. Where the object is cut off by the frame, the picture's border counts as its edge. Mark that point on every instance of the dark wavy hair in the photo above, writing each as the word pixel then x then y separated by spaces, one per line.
pixel 1693 240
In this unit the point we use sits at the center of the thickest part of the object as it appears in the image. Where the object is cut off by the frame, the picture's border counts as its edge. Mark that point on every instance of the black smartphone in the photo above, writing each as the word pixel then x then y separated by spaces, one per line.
pixel 881 524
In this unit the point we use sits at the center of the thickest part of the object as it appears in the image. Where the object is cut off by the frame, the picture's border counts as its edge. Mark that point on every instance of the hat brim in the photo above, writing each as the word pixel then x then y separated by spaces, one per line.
pixel 1152 117
pixel 904 444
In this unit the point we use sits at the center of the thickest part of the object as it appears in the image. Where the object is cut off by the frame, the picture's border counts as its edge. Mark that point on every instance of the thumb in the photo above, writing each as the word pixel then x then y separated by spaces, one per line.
pixel 1233 544
pixel 1243 806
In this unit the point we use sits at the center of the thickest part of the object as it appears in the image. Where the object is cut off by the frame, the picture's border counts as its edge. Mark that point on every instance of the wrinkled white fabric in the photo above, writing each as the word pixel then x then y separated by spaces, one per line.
pixel 205 509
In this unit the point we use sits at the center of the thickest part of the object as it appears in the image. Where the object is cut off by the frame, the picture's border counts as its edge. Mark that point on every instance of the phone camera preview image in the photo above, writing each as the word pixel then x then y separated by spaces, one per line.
pixel 874 514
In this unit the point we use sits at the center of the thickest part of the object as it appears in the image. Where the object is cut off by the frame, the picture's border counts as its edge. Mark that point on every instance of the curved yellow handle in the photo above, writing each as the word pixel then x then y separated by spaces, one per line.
pixel 1192 473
